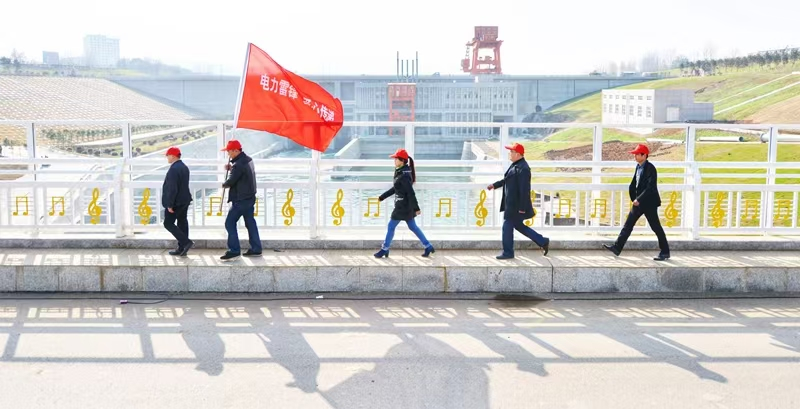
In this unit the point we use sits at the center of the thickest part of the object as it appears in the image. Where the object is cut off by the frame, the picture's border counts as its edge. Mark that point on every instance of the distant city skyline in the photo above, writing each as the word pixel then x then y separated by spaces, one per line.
pixel 351 37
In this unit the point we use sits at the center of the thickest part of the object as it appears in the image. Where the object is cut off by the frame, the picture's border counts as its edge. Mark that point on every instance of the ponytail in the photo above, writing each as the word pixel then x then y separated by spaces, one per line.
pixel 413 170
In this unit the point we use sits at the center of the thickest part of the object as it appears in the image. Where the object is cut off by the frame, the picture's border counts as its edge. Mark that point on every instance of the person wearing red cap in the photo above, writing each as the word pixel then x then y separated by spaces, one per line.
pixel 405 203
pixel 242 197
pixel 176 198
pixel 516 202
pixel 643 191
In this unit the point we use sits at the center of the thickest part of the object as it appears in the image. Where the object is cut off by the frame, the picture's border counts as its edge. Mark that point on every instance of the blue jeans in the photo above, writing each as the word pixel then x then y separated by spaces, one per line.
pixel 411 225
pixel 242 208
pixel 509 225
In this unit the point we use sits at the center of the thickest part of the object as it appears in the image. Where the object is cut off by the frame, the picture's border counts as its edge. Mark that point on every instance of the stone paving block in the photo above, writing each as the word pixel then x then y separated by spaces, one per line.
pixel 8 279
pixel 388 279
pixel 637 280
pixel 210 279
pixel 793 279
pixel 765 279
pixel 295 279
pixel 681 279
pixel 79 279
pixel 512 280
pixel 165 279
pixel 423 279
pixel 724 279
pixel 39 278
pixel 337 279
pixel 252 279
pixel 541 279
pixel 467 279
pixel 584 279
pixel 122 279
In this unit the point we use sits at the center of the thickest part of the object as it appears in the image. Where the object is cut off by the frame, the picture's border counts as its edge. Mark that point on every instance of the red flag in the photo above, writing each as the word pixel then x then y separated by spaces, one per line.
pixel 275 100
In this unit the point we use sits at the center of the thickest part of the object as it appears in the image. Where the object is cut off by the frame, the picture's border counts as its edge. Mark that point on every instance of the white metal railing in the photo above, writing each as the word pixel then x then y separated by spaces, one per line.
pixel 74 192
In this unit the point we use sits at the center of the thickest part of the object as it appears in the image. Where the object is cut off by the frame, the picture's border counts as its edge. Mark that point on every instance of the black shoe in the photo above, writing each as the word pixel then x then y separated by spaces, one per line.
pixel 251 253
pixel 382 253
pixel 230 256
pixel 504 257
pixel 186 249
pixel 661 257
pixel 176 252
pixel 546 247
pixel 428 251
pixel 612 249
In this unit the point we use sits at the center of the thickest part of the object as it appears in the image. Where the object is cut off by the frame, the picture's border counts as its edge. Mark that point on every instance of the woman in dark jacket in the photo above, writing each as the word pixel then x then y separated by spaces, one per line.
pixel 405 203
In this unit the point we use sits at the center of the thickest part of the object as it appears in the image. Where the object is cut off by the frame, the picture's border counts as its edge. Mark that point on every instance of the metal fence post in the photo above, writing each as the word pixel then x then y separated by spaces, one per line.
pixel 768 208
pixel 693 179
pixel 123 203
pixel 313 195
pixel 30 137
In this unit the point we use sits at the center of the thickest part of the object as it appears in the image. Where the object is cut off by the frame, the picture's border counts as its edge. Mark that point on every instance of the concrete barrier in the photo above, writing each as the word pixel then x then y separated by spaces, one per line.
pixel 448 272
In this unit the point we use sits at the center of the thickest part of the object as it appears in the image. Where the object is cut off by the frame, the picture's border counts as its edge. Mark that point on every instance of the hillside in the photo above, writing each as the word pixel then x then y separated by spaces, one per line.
pixel 726 91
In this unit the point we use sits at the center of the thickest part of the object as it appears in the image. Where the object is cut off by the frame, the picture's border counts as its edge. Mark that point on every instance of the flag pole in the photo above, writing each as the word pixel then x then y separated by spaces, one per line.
pixel 236 112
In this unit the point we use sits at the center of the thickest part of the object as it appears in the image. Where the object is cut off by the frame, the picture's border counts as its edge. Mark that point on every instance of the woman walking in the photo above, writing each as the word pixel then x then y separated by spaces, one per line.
pixel 405 203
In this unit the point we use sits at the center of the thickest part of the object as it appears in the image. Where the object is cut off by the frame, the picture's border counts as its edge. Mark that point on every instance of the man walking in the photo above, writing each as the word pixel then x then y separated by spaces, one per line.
pixel 242 196
pixel 176 198
pixel 643 191
pixel 516 202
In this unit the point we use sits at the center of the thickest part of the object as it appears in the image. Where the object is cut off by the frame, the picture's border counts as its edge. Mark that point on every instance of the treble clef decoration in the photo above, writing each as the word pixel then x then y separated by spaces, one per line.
pixel 337 211
pixel 670 213
pixel 94 209
pixel 287 210
pixel 717 213
pixel 144 209
pixel 480 211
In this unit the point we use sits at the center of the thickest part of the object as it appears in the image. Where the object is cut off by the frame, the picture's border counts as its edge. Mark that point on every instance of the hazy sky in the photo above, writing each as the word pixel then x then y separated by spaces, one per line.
pixel 362 37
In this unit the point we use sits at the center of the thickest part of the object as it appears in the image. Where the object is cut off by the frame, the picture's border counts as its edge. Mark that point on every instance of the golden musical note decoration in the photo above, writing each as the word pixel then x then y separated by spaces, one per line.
pixel 748 205
pixel 377 203
pixel 480 211
pixel 17 200
pixel 561 203
pixel 287 210
pixel 211 201
pixel 783 204
pixel 449 203
pixel 144 209
pixel 337 211
pixel 255 208
pixel 717 212
pixel 94 210
pixel 529 222
pixel 599 203
pixel 55 200
pixel 670 213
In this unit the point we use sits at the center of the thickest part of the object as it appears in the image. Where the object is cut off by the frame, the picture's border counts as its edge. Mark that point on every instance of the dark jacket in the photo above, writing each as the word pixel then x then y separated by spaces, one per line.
pixel 405 201
pixel 242 179
pixel 647 191
pixel 175 191
pixel 516 186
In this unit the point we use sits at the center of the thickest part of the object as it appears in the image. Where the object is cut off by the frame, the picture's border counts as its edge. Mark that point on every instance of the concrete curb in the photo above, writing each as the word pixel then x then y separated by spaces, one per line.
pixel 397 279
pixel 756 244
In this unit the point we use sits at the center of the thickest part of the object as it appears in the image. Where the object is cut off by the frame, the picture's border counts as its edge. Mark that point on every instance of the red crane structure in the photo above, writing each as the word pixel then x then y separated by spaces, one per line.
pixel 485 39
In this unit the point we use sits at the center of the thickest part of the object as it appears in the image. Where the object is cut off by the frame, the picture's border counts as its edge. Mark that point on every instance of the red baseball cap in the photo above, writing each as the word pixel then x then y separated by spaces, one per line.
pixel 400 154
pixel 233 145
pixel 516 148
pixel 174 151
pixel 641 149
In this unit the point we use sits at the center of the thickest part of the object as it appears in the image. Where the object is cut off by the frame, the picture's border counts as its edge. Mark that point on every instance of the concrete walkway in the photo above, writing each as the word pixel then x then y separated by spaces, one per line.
pixel 563 271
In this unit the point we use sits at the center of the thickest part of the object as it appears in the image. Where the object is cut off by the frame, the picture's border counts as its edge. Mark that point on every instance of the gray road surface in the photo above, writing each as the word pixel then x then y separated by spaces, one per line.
pixel 400 354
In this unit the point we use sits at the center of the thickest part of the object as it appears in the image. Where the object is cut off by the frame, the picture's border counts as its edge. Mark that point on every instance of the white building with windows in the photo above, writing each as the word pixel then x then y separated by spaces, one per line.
pixel 653 106
pixel 101 51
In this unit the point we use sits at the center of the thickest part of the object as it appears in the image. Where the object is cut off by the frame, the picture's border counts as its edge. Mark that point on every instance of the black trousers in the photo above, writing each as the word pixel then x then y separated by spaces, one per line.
pixel 651 214
pixel 181 231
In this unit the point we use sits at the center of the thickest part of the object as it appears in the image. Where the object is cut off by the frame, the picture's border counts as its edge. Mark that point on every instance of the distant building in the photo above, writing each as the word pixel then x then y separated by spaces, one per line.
pixel 101 51
pixel 653 106
pixel 50 58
